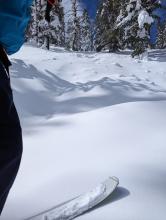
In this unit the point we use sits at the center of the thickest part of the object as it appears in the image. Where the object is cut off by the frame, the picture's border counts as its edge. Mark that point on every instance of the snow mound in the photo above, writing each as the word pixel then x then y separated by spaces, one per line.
pixel 86 117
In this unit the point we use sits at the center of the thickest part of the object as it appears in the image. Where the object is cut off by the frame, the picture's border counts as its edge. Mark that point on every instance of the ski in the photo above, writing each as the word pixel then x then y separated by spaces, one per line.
pixel 73 208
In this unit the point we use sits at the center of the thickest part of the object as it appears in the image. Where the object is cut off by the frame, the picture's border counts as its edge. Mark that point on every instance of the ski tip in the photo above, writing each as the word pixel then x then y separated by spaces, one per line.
pixel 114 179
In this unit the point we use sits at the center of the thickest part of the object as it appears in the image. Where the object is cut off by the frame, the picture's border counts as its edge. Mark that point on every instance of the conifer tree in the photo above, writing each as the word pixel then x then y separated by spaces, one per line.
pixel 73 28
pixel 33 30
pixel 161 41
pixel 42 32
pixel 136 20
pixel 107 36
pixel 85 32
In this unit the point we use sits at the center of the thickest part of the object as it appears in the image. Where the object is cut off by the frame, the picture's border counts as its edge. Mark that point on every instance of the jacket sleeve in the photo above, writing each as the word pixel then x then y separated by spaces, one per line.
pixel 51 2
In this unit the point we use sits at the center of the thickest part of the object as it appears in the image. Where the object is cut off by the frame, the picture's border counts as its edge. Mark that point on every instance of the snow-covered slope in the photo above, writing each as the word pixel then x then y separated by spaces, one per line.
pixel 86 117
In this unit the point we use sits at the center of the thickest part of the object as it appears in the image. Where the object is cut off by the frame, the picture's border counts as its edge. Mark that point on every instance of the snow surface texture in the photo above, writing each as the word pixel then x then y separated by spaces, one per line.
pixel 86 117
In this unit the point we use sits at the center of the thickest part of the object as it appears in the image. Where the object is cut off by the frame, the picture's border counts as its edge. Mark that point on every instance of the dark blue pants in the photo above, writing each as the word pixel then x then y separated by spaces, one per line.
pixel 10 137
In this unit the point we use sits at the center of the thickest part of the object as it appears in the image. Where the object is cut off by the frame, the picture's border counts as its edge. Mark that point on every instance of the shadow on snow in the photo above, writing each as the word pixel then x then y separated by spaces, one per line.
pixel 118 194
pixel 51 100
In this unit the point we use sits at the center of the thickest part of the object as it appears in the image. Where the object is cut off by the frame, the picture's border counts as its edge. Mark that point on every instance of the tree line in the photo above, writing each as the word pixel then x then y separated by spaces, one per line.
pixel 118 25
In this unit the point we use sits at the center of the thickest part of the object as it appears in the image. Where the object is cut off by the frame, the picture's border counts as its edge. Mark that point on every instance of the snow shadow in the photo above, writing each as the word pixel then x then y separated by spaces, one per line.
pixel 118 194
pixel 151 177
pixel 63 97
pixel 156 55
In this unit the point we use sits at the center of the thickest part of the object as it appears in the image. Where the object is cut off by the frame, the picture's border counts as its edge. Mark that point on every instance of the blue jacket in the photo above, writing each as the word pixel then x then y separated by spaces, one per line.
pixel 14 17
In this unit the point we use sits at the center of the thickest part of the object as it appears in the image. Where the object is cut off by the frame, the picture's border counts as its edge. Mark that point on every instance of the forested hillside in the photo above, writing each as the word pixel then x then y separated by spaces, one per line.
pixel 118 25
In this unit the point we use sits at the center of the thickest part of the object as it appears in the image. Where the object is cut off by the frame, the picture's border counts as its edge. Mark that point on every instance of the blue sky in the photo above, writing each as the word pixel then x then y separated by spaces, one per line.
pixel 91 5
pixel 162 14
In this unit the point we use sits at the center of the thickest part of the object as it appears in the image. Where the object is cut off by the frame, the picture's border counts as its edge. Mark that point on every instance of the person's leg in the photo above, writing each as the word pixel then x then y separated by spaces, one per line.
pixel 10 137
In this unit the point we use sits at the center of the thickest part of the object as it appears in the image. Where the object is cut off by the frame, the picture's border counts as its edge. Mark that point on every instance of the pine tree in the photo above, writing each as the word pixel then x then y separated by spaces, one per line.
pixel 85 32
pixel 33 29
pixel 42 32
pixel 107 36
pixel 136 20
pixel 62 26
pixel 57 26
pixel 73 28
pixel 161 41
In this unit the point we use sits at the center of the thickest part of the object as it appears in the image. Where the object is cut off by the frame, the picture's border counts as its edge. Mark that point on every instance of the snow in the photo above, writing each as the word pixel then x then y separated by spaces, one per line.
pixel 144 18
pixel 87 116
